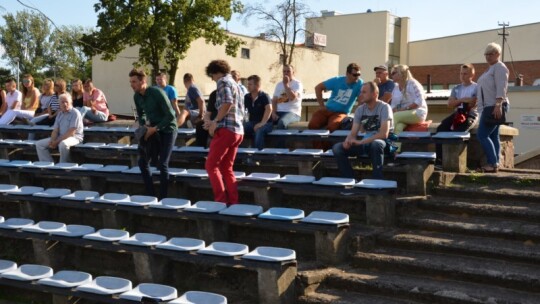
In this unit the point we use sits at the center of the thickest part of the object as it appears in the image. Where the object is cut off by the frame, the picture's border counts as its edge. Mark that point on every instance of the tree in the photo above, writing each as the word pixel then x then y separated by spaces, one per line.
pixel 67 58
pixel 163 29
pixel 284 23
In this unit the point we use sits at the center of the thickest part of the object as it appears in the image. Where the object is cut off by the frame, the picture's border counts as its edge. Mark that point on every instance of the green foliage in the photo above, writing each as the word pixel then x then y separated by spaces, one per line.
pixel 164 30
pixel 41 51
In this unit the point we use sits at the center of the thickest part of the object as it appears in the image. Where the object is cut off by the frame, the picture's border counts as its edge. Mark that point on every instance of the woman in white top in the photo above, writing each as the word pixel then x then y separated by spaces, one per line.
pixel 408 100
pixel 29 105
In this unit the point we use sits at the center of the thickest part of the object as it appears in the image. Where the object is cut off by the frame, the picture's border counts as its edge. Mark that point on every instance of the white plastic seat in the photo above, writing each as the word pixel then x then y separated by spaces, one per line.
pixel 88 167
pixel 271 254
pixel 28 272
pixel 182 244
pixel 66 166
pixel 284 132
pixel 426 155
pixel 246 150
pixel 272 151
pixel 74 231
pixel 200 297
pixel 256 176
pixel 115 146
pixel 40 164
pixel 16 223
pixel 26 190
pixel 306 152
pixel 195 173
pixel 206 207
pixel 111 198
pixel 1 219
pixel 118 129
pixel 450 135
pixel 67 279
pixel 7 187
pixel 297 179
pixel 45 227
pixel 107 235
pixel 6 266
pixel 12 141
pixel 186 131
pixel 335 181
pixel 92 145
pixel 377 184
pixel 152 291
pixel 17 163
pixel 193 149
pixel 408 134
pixel 225 249
pixel 326 217
pixel 242 210
pixel 314 132
pixel 340 133
pixel 239 174
pixel 177 171
pixel 81 195
pixel 282 214
pixel 105 285
pixel 3 160
pixel 144 239
pixel 140 201
pixel 172 203
pixel 52 193
pixel 328 153
pixel 112 168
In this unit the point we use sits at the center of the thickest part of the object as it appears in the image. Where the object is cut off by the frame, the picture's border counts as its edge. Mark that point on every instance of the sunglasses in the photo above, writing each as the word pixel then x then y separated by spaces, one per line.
pixel 356 74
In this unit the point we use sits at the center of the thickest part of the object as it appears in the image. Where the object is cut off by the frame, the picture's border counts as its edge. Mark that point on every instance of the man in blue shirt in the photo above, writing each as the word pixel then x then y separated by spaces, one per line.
pixel 345 90
pixel 170 91
pixel 386 85
pixel 259 106
pixel 194 106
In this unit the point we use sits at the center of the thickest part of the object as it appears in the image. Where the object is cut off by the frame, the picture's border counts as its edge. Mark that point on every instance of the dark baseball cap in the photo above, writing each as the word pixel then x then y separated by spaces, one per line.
pixel 382 67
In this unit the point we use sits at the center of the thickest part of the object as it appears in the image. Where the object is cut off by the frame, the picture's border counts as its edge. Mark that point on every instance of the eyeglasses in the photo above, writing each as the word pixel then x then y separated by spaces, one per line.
pixel 489 54
pixel 356 74
pixel 26 81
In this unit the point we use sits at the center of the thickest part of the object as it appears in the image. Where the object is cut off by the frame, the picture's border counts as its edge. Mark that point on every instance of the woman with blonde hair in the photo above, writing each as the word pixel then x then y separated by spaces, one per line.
pixel 77 93
pixel 408 99
pixel 47 94
pixel 29 105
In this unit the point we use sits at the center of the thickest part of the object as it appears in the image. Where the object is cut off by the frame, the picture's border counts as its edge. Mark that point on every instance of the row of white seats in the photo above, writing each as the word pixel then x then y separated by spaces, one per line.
pixel 186 131
pixel 199 173
pixel 151 240
pixel 176 204
pixel 78 281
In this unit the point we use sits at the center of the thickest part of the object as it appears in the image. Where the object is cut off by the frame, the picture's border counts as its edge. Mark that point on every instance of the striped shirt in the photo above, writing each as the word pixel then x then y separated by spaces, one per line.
pixel 54 103
pixel 228 91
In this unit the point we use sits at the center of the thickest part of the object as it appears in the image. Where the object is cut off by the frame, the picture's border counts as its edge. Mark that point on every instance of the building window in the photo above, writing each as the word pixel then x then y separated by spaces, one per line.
pixel 244 53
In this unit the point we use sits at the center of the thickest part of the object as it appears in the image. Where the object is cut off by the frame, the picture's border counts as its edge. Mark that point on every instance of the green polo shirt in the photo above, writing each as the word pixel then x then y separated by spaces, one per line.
pixel 155 107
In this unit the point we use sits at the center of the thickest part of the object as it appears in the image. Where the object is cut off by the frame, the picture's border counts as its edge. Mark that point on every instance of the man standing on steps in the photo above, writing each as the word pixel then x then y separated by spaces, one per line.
pixel 375 118
pixel 156 115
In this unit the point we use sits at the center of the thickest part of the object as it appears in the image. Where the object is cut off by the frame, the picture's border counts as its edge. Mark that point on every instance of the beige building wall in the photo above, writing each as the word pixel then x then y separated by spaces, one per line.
pixel 362 38
pixel 312 66
pixel 525 115
pixel 524 41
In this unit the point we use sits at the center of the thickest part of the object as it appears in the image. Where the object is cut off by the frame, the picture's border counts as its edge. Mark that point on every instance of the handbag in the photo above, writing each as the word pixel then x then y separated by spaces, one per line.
pixel 487 113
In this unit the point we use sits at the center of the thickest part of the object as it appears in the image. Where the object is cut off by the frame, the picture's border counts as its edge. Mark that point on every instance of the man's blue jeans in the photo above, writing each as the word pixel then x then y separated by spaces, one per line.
pixel 166 143
pixel 488 136
pixel 375 150
pixel 259 135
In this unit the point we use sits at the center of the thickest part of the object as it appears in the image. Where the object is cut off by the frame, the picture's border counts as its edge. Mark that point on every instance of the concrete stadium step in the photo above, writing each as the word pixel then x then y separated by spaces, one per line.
pixel 484 207
pixel 517 251
pixel 493 190
pixel 335 296
pixel 424 289
pixel 506 274
pixel 478 226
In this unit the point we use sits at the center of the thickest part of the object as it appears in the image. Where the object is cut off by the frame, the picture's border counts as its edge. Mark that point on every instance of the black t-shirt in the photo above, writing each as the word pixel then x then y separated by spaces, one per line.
pixel 256 108
pixel 212 105
pixel 78 103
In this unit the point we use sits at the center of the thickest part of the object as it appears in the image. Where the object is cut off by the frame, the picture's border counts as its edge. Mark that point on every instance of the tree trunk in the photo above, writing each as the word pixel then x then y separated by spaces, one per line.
pixel 173 67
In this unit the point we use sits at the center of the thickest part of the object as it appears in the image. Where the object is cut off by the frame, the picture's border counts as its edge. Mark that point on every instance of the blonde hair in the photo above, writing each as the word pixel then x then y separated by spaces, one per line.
pixel 493 47
pixel 50 90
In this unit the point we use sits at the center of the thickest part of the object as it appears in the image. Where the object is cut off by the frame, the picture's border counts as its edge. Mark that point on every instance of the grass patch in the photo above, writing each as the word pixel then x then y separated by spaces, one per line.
pixel 525 182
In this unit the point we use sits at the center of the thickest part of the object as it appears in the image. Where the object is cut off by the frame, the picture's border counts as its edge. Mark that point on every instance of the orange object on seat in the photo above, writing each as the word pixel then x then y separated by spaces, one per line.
pixel 419 127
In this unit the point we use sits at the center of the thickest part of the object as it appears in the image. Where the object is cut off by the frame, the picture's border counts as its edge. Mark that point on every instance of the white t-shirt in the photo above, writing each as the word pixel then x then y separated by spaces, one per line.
pixel 294 106
pixel 11 98
pixel 414 93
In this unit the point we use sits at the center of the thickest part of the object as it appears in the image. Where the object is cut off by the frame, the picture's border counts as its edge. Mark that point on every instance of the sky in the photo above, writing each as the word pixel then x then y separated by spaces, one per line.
pixel 429 18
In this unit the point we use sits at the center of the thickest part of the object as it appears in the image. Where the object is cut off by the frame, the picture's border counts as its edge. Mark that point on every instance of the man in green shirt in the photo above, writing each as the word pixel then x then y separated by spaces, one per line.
pixel 156 114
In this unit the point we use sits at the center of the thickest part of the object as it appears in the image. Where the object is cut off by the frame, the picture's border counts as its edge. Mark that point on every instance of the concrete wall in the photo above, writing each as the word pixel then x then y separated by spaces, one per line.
pixel 525 116
pixel 361 38
pixel 312 67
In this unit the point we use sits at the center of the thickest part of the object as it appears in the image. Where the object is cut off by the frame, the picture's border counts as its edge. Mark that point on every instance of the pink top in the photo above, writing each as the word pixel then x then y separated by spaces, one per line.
pixel 99 98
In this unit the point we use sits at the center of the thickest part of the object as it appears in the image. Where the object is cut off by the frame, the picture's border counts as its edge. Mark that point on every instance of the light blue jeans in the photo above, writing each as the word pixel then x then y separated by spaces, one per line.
pixel 86 112
pixel 285 119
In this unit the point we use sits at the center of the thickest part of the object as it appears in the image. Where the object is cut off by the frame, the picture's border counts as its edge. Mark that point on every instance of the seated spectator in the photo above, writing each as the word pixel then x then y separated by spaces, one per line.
pixel 13 99
pixel 67 132
pixel 374 117
pixel 170 91
pixel 408 100
pixel 463 101
pixel 386 86
pixel 29 105
pixel 236 76
pixel 259 107
pixel 2 99
pixel 95 107
pixel 194 106
pixel 77 93
pixel 345 91
pixel 287 100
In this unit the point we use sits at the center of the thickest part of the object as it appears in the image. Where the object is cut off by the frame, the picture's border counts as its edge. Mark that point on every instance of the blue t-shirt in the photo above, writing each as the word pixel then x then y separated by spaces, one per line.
pixel 193 93
pixel 170 91
pixel 386 87
pixel 256 109
pixel 343 94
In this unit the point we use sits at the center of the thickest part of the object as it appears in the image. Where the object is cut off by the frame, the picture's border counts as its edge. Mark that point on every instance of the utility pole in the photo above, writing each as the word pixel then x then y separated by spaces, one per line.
pixel 503 34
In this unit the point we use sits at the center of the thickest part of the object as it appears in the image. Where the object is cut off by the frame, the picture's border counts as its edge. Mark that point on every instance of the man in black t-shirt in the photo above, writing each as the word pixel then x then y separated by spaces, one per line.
pixel 259 106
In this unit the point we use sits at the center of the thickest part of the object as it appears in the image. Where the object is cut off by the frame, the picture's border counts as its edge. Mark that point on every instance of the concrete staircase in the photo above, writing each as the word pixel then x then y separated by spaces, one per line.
pixel 467 243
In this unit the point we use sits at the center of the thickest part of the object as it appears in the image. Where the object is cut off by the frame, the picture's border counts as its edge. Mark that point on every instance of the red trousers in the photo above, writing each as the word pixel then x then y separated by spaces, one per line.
pixel 219 165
